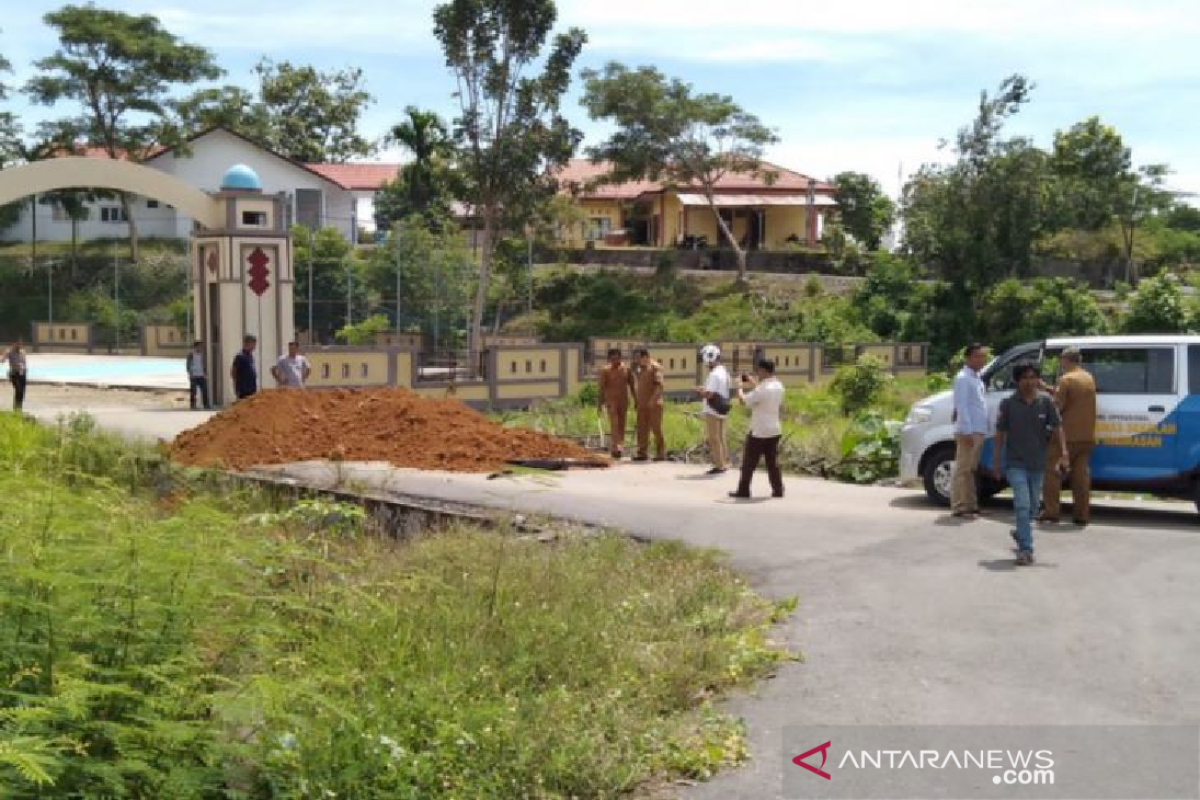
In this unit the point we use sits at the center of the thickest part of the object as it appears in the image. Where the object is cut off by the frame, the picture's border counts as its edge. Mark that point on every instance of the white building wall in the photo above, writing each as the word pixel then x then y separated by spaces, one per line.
pixel 209 158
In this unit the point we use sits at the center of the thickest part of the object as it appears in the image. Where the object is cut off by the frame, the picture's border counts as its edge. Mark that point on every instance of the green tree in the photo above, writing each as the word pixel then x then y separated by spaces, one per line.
pixel 431 271
pixel 1157 307
pixel 511 133
pixel 866 212
pixel 424 185
pixel 119 68
pixel 339 282
pixel 10 144
pixel 668 132
pixel 1015 311
pixel 976 220
pixel 297 110
pixel 1091 164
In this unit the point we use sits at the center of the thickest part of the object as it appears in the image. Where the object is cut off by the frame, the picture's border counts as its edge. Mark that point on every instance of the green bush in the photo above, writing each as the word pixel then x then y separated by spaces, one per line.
pixel 1157 307
pixel 194 645
pixel 861 385
pixel 365 332
pixel 870 450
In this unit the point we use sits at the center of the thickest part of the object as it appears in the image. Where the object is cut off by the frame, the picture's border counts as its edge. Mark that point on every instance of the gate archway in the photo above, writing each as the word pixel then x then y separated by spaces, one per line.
pixel 240 272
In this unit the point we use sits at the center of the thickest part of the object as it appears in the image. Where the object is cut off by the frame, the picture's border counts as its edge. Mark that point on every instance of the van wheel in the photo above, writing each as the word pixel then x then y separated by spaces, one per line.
pixel 938 474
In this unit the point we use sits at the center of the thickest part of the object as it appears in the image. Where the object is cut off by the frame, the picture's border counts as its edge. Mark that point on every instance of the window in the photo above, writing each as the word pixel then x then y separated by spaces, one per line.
pixel 112 214
pixel 325 371
pixel 543 365
pixel 346 371
pixel 1194 369
pixel 254 219
pixel 597 228
pixel 151 204
pixel 365 371
pixel 1132 370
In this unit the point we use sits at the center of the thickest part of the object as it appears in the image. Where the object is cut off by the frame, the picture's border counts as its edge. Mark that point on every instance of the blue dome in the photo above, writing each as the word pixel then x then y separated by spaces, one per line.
pixel 242 177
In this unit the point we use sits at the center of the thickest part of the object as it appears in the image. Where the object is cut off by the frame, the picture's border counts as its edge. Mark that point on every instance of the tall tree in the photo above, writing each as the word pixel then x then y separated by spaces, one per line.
pixel 10 146
pixel 1091 164
pixel 866 212
pixel 667 132
pixel 978 218
pixel 120 69
pixel 424 185
pixel 297 110
pixel 511 133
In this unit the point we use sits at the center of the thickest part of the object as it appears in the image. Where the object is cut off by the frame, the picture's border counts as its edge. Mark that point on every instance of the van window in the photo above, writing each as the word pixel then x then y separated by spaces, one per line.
pixel 1132 370
pixel 1194 369
pixel 999 377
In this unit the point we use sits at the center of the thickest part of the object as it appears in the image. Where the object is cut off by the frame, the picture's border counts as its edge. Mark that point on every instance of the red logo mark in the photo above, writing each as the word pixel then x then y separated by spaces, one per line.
pixel 213 261
pixel 824 748
pixel 259 272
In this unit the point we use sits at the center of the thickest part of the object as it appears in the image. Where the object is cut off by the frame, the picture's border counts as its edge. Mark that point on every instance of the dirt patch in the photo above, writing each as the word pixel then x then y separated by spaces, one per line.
pixel 394 425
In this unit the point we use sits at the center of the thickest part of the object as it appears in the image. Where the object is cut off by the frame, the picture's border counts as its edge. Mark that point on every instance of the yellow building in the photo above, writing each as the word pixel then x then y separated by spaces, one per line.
pixel 762 212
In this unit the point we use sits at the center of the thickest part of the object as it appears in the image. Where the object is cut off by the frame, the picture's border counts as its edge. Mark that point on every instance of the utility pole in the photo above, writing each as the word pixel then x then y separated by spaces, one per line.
pixel 50 291
pixel 116 298
pixel 311 257
pixel 396 245
pixel 349 291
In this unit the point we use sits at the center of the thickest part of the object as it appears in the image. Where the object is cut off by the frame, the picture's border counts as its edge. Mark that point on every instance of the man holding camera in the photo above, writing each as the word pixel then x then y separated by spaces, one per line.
pixel 764 400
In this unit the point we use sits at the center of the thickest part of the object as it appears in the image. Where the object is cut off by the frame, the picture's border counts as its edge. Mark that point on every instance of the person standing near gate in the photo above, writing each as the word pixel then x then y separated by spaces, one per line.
pixel 197 376
pixel 649 407
pixel 17 374
pixel 292 370
pixel 244 372
pixel 1075 397
pixel 616 387
pixel 766 429
pixel 970 431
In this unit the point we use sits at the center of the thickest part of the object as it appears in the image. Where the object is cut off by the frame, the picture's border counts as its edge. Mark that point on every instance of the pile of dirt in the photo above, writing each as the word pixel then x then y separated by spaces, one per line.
pixel 394 425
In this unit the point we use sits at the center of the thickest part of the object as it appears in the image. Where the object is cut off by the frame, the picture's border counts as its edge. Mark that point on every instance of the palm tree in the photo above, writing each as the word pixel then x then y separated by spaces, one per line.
pixel 424 181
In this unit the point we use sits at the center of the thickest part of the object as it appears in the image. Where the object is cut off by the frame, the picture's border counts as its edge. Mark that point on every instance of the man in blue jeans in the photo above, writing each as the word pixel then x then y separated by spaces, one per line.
pixel 1027 420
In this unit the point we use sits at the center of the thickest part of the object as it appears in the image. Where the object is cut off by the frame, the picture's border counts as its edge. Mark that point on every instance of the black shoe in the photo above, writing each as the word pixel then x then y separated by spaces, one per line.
pixel 640 458
pixel 660 458
pixel 739 495
pixel 1083 523
pixel 1024 559
pixel 776 494
pixel 716 471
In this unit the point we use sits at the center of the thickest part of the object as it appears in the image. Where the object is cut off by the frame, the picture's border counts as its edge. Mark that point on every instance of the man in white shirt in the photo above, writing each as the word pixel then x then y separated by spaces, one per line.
pixel 714 406
pixel 197 376
pixel 291 371
pixel 17 374
pixel 766 429
pixel 970 431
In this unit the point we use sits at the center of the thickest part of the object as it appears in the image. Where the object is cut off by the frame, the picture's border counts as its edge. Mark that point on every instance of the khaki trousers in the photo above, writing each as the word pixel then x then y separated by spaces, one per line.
pixel 616 427
pixel 649 420
pixel 715 428
pixel 966 464
pixel 1081 480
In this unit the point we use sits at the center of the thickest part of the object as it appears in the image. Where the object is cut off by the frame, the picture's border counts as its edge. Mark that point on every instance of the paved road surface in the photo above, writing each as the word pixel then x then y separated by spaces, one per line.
pixel 906 615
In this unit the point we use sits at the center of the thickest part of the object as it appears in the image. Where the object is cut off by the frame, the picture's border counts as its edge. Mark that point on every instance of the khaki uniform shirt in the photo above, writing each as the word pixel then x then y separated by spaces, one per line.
pixel 616 385
pixel 650 385
pixel 1075 397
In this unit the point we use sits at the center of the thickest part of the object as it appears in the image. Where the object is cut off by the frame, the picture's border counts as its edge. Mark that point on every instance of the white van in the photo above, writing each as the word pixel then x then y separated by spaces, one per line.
pixel 1147 428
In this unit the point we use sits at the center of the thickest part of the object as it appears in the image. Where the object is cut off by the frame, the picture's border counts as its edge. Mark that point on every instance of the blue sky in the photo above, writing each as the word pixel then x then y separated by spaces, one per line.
pixel 869 85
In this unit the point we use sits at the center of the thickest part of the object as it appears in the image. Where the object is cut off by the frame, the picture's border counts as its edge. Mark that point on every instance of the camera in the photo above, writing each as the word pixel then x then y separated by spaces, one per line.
pixel 745 378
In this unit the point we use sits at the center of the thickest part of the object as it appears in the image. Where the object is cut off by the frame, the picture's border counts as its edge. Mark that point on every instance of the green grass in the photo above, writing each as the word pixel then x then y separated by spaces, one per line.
pixel 162 639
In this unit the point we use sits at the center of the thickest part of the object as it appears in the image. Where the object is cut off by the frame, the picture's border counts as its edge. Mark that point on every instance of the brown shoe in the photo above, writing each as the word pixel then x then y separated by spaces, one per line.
pixel 1024 559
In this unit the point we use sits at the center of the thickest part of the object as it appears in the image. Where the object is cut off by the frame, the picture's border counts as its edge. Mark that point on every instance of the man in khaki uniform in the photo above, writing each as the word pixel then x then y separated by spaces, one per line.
pixel 616 387
pixel 649 407
pixel 1075 397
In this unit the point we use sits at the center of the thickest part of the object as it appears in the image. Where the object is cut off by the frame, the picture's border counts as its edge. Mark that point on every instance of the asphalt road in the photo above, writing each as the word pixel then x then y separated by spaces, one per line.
pixel 906 616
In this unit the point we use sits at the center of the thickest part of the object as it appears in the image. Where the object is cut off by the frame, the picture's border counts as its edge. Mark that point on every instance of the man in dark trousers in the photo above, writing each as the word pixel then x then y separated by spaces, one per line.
pixel 1075 397
pixel 17 373
pixel 766 429
pixel 1027 421
pixel 244 372
pixel 197 376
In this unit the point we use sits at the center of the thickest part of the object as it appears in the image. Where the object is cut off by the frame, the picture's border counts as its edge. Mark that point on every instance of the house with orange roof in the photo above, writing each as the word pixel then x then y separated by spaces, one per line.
pixel 317 195
pixel 764 212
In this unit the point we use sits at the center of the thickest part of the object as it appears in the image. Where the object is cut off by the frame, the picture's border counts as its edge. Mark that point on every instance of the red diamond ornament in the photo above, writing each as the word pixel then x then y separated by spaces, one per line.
pixel 258 271
pixel 213 261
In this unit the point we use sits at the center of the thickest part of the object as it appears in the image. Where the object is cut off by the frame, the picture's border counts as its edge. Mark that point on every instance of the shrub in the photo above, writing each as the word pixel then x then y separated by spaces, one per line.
pixel 364 332
pixel 870 450
pixel 1157 307
pixel 860 386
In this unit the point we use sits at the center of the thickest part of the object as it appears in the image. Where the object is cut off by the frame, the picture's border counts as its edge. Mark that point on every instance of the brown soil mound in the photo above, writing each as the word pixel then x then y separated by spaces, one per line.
pixel 395 425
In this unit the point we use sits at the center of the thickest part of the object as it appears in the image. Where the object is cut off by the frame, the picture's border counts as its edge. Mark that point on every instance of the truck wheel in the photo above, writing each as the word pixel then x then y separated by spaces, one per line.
pixel 937 474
